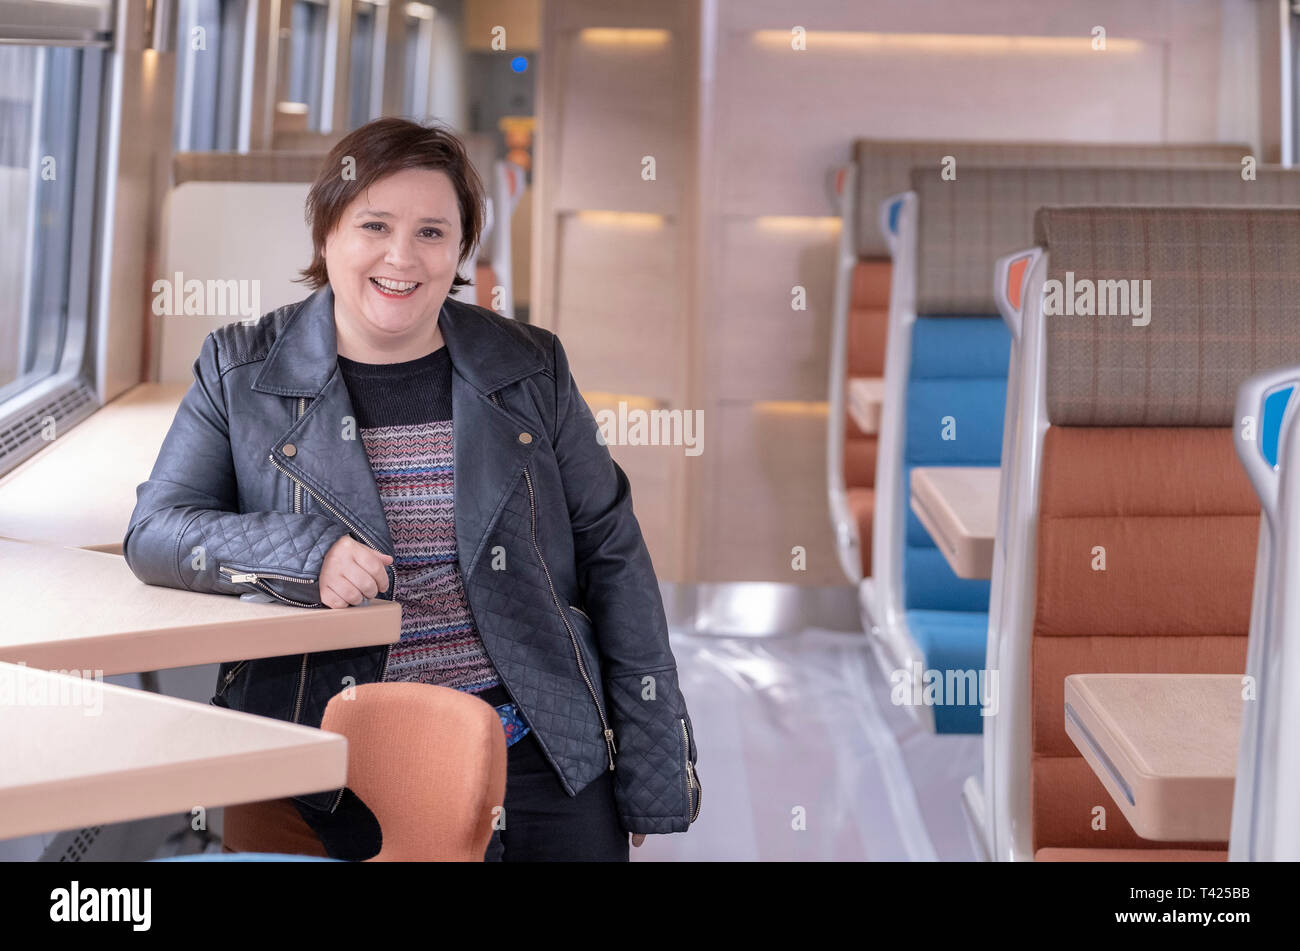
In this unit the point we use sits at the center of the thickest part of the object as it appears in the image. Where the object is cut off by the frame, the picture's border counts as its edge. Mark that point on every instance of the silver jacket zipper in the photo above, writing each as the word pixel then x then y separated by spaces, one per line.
pixel 610 748
pixel 392 580
pixel 251 577
pixel 230 677
pixel 297 510
pixel 692 784
pixel 297 489
pixel 255 577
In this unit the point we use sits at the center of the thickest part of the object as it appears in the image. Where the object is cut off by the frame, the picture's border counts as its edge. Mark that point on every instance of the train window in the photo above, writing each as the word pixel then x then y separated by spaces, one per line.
pixel 48 152
pixel 366 63
pixel 418 47
pixel 308 36
pixel 209 72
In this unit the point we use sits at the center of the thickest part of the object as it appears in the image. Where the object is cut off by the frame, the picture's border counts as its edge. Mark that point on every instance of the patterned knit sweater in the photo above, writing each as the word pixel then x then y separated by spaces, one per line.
pixel 404 420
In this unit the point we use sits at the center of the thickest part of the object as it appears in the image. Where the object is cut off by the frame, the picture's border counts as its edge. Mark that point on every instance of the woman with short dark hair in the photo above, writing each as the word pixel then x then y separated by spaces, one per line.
pixel 381 439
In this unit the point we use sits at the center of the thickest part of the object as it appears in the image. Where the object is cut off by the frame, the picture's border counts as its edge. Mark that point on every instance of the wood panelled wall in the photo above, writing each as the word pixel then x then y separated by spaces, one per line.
pixel 679 290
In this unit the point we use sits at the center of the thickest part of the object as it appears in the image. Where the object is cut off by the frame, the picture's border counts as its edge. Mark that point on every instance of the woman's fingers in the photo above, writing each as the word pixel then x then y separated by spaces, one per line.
pixel 363 579
pixel 343 589
pixel 351 573
pixel 375 564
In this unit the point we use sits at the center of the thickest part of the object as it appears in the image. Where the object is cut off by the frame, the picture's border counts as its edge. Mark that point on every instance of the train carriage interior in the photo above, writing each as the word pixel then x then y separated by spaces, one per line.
pixel 942 355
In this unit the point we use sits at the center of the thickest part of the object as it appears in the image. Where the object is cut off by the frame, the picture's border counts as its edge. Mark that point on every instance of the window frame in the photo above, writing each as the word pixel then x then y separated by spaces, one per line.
pixel 71 382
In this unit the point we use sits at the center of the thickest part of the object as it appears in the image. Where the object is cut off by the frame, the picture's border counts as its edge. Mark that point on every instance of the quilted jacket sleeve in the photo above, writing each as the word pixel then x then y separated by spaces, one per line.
pixel 656 784
pixel 186 525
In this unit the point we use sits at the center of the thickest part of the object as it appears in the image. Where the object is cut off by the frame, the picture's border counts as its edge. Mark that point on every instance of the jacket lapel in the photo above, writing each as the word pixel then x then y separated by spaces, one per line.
pixel 488 460
pixel 332 462
pixel 487 446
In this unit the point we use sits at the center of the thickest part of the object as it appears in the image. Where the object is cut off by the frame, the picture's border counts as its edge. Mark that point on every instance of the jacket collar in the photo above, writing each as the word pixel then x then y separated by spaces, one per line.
pixel 305 353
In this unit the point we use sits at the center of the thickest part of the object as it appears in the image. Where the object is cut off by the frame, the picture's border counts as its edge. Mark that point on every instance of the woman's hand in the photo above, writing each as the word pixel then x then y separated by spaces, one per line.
pixel 638 838
pixel 352 572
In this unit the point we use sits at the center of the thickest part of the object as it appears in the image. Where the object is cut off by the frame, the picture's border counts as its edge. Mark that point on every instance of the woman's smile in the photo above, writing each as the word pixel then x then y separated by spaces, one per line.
pixel 396 290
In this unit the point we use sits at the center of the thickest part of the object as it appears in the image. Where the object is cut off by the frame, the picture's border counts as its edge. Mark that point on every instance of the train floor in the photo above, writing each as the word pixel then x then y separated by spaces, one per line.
pixel 802 757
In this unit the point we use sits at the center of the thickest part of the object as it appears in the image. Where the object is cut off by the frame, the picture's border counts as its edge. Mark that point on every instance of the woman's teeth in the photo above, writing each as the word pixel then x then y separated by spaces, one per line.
pixel 394 288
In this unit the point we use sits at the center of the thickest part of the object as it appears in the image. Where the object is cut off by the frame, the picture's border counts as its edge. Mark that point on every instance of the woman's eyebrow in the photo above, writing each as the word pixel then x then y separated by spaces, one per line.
pixel 374 213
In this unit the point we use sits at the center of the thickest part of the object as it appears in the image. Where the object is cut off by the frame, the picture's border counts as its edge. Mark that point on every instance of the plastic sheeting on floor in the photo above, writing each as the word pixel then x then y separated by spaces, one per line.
pixel 803 757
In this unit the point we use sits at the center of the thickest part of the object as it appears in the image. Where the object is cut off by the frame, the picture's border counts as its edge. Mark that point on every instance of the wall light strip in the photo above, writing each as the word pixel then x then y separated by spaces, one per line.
pixel 599 399
pixel 792 407
pixel 948 42
pixel 622 219
pixel 797 223
pixel 623 37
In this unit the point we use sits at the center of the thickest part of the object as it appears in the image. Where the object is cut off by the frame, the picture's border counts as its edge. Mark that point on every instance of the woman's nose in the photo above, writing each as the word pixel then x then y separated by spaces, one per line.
pixel 399 252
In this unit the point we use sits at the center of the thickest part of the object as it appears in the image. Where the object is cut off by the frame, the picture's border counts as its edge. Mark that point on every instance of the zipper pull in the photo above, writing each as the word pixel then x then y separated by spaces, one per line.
pixel 234 672
pixel 240 579
pixel 609 747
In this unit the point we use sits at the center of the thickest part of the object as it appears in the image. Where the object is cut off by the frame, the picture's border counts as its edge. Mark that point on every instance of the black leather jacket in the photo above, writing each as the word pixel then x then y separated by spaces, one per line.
pixel 255 477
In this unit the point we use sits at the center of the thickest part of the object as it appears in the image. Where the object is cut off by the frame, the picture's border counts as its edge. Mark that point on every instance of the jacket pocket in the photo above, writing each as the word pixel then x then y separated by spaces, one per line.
pixel 656 786
pixel 261 578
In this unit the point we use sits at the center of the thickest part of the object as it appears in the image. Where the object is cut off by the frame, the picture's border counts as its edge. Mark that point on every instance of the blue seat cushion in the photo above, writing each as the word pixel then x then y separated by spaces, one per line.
pixel 954 407
pixel 954 641
pixel 960 347
pixel 929 583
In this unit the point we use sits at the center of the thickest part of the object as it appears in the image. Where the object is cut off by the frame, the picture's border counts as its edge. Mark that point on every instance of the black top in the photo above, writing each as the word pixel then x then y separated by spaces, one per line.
pixel 400 394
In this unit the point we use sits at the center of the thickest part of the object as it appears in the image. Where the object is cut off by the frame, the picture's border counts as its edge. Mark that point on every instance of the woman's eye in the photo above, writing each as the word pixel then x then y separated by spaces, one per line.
pixel 431 233
pixel 374 225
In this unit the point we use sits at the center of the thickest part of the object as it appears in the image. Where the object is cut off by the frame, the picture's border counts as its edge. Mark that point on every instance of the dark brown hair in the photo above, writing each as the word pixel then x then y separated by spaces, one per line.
pixel 379 149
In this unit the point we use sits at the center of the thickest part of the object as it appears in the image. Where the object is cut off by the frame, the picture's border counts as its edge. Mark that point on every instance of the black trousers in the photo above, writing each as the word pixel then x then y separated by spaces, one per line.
pixel 541 822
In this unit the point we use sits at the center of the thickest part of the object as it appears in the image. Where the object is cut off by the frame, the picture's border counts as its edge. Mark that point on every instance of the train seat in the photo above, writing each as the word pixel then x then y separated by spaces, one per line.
pixel 948 236
pixel 1130 855
pixel 879 168
pixel 945 395
pixel 428 761
pixel 869 311
pixel 1128 530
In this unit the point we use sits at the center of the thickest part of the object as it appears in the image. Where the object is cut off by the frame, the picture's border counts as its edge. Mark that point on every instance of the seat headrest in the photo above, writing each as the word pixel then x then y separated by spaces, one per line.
pixel 1205 299
pixel 966 224
pixel 884 164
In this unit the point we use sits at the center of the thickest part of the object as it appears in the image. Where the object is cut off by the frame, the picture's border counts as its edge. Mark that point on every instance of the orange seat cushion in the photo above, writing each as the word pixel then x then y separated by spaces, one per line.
pixel 484 280
pixel 1129 855
pixel 862 503
pixel 1174 516
pixel 860 461
pixel 271 826
pixel 868 318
